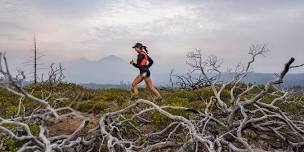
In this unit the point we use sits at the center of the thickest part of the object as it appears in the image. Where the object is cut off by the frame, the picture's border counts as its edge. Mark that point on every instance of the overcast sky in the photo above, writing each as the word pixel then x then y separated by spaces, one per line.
pixel 72 29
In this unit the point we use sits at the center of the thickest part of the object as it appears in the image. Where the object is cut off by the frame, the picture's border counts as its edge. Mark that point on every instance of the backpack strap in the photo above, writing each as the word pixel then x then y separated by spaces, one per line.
pixel 144 61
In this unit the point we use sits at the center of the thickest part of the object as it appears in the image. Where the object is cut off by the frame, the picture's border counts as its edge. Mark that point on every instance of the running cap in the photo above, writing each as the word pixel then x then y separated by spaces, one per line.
pixel 138 45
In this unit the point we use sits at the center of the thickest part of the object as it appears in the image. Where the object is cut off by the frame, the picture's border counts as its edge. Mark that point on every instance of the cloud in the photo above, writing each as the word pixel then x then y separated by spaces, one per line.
pixel 71 29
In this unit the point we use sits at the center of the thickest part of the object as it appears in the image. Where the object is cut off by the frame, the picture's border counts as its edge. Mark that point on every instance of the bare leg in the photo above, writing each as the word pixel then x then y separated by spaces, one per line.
pixel 134 88
pixel 150 86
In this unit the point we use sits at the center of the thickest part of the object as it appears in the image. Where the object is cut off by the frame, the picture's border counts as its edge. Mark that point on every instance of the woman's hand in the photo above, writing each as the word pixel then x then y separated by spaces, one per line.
pixel 132 62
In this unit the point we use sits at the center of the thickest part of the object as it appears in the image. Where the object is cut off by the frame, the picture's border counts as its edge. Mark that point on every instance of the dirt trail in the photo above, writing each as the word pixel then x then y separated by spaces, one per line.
pixel 70 124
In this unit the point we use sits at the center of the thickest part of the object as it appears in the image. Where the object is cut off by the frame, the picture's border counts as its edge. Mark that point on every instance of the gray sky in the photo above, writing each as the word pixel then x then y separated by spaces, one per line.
pixel 71 29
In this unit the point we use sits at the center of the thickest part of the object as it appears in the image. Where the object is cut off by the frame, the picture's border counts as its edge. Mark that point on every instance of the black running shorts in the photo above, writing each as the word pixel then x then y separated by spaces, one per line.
pixel 145 73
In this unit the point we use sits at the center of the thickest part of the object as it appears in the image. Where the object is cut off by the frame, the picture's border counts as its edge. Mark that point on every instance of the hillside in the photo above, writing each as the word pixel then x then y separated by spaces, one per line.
pixel 97 102
pixel 291 79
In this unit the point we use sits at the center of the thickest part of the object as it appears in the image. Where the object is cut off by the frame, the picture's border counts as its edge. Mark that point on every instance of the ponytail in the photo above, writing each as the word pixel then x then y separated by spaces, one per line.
pixel 145 49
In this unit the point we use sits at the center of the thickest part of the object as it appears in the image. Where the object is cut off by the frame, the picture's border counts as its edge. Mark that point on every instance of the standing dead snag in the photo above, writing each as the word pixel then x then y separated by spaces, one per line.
pixel 201 71
pixel 35 59
pixel 205 72
pixel 55 76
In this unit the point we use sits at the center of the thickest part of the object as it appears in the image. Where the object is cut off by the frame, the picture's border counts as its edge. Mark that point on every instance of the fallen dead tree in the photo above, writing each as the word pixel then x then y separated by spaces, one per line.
pixel 224 124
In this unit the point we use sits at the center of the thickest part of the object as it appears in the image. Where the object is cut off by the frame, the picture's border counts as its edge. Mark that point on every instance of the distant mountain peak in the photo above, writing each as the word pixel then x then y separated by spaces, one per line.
pixel 111 58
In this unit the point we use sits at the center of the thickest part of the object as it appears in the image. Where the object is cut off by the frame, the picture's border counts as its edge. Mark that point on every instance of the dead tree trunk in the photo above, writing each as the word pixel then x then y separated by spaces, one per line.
pixel 35 59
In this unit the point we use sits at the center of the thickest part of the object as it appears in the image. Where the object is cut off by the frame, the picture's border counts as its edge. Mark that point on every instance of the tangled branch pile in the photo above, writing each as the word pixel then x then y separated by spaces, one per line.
pixel 223 125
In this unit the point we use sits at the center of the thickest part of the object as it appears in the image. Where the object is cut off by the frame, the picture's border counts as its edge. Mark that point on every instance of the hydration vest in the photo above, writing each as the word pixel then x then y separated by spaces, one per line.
pixel 144 61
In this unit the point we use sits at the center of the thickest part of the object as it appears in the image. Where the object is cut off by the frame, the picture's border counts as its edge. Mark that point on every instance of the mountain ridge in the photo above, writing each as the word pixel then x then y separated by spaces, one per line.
pixel 112 69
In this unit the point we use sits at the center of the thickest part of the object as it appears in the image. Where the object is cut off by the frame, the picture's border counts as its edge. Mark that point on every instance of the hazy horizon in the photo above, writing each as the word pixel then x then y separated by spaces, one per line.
pixel 69 30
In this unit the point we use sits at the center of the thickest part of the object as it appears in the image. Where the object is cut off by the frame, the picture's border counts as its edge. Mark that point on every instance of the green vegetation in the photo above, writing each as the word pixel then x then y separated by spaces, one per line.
pixel 103 100
pixel 11 145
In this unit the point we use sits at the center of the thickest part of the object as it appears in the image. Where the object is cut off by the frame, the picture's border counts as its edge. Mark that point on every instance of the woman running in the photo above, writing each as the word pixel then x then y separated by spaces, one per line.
pixel 144 62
